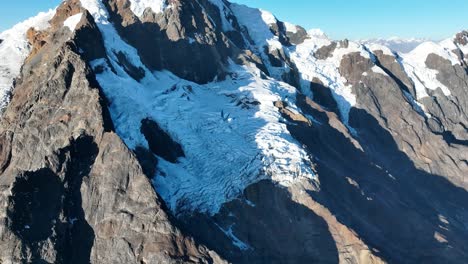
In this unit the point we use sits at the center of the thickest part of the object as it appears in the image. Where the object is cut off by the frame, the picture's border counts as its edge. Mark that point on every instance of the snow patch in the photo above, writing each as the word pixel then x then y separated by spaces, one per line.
pixel 317 33
pixel 73 21
pixel 449 44
pixel 97 9
pixel 419 54
pixel 414 64
pixel 327 71
pixel 235 241
pixel 379 70
pixel 374 47
pixel 138 7
pixel 290 27
pixel 14 49
pixel 464 49
pixel 268 17
pixel 224 12
pixel 257 23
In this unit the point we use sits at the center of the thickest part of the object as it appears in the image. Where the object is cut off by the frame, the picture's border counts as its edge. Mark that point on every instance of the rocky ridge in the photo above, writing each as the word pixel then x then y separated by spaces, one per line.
pixel 209 132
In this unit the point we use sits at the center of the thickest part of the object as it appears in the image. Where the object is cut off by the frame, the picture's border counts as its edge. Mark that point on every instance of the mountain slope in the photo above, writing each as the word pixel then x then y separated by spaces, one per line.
pixel 397 44
pixel 208 132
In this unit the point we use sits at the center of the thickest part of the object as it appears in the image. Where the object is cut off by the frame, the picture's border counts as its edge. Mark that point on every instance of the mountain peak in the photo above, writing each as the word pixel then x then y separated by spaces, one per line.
pixel 211 132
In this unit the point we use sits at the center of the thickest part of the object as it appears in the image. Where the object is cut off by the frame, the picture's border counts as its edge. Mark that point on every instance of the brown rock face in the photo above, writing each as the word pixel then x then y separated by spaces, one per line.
pixel 278 237
pixel 353 65
pixel 71 191
pixel 165 40
pixel 369 190
pixel 37 40
pixel 450 112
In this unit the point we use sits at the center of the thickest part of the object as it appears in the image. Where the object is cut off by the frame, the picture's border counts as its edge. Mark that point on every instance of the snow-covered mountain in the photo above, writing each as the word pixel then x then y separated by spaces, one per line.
pixel 205 131
pixel 397 44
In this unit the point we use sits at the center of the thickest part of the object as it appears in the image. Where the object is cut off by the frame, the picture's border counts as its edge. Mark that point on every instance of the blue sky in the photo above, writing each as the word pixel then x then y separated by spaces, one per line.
pixel 353 19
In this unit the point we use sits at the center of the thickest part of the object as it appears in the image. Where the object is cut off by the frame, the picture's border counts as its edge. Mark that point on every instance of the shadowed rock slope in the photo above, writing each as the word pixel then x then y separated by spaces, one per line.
pixel 210 132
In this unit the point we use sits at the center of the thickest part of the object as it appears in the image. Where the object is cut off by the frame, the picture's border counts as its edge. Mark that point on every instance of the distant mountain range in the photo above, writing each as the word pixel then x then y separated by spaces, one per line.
pixel 397 44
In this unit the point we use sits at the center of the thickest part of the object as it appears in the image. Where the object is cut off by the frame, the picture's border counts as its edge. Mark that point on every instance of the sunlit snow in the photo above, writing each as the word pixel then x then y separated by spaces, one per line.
pixel 14 49
pixel 223 155
pixel 73 21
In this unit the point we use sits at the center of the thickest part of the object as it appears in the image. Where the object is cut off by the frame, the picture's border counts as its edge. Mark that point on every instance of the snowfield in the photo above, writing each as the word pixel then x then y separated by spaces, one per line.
pixel 13 51
pixel 73 21
pixel 231 133
pixel 414 63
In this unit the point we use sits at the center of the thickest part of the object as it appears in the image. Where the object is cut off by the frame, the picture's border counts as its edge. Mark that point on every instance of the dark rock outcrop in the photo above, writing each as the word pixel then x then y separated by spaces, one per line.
pixel 323 95
pixel 367 188
pixel 160 143
pixel 165 40
pixel 326 51
pixel 267 209
pixel 297 37
pixel 451 112
pixel 353 65
pixel 462 38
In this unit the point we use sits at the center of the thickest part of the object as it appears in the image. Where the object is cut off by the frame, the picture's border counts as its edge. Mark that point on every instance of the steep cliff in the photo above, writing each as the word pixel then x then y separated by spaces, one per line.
pixel 204 131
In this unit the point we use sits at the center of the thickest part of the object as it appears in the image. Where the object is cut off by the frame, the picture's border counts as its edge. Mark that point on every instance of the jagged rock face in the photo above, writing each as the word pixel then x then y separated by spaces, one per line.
pixel 451 113
pixel 309 241
pixel 124 126
pixel 72 192
pixel 183 31
pixel 363 197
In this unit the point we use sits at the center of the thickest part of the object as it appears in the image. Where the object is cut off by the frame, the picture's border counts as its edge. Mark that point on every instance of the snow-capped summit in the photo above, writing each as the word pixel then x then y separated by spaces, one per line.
pixel 396 44
pixel 206 131
pixel 139 6
pixel 317 32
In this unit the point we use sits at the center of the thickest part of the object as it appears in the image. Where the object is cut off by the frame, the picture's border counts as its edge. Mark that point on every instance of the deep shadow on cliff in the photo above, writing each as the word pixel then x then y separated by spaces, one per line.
pixel 46 205
pixel 265 226
pixel 406 215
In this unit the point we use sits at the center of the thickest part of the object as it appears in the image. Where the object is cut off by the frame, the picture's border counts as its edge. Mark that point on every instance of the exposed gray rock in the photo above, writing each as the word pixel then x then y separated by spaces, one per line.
pixel 393 68
pixel 462 38
pixel 367 188
pixel 353 65
pixel 326 51
pixel 279 29
pixel 165 40
pixel 344 44
pixel 451 111
pixel 297 37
